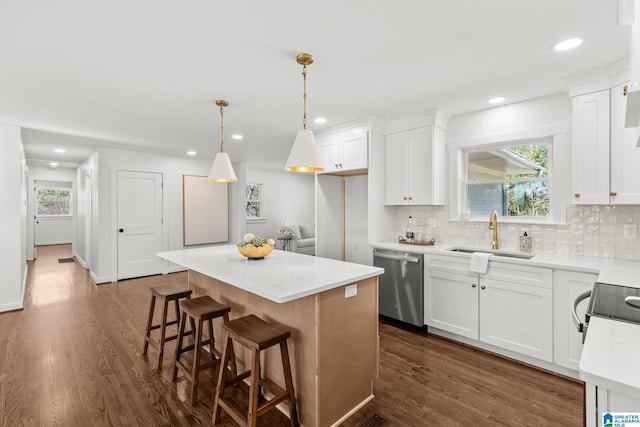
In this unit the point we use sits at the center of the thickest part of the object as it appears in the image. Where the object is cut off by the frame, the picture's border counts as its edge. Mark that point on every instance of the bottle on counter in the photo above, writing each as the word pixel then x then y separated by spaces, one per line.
pixel 410 234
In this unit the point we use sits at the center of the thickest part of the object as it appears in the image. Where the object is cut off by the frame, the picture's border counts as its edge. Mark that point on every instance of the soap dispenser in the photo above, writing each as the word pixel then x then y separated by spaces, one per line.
pixel 526 243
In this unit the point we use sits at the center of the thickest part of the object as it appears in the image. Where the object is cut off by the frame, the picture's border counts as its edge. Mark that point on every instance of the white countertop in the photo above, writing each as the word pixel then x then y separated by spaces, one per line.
pixel 280 277
pixel 611 356
pixel 614 271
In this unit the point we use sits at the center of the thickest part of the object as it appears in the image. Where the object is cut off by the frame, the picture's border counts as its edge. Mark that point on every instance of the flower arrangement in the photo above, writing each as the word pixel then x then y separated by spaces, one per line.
pixel 255 247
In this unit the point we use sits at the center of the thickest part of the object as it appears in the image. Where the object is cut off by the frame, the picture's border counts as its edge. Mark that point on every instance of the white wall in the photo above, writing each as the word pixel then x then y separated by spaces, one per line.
pixel 13 218
pixel 287 197
pixel 103 167
pixel 356 220
pixel 536 118
pixel 41 173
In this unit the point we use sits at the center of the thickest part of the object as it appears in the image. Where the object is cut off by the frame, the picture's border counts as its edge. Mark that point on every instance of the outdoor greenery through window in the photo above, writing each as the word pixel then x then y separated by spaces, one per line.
pixel 513 180
pixel 53 201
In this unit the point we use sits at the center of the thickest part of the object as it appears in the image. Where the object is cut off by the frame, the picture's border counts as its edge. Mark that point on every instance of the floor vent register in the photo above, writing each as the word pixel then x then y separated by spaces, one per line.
pixel 61 260
pixel 374 420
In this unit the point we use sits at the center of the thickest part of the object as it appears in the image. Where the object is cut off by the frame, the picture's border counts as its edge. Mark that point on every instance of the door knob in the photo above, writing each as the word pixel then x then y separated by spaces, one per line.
pixel 482 287
pixel 577 194
pixel 613 193
pixel 121 230
pixel 473 285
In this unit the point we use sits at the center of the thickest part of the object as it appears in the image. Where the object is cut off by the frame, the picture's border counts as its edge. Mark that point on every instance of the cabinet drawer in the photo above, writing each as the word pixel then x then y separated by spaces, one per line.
pixel 519 273
pixel 448 263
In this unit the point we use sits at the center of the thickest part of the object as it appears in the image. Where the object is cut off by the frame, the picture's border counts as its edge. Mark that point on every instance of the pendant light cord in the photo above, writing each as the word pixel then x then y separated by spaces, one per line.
pixel 304 97
pixel 221 129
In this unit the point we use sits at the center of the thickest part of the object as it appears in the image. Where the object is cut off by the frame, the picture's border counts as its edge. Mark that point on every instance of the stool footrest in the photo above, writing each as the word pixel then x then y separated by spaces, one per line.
pixel 234 412
pixel 236 380
pixel 154 327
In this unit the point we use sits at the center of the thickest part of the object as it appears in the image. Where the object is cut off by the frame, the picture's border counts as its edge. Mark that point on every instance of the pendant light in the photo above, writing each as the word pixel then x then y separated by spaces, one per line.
pixel 222 170
pixel 304 155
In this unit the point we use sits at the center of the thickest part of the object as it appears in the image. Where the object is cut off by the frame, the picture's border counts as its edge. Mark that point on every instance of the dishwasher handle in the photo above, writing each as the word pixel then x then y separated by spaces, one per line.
pixel 633 302
pixel 403 257
pixel 576 319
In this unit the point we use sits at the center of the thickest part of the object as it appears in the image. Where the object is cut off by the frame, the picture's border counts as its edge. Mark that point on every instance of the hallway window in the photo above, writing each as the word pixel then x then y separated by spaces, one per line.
pixel 53 201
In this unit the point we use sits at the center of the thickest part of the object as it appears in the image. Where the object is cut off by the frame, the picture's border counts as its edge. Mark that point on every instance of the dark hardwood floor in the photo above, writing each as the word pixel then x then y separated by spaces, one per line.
pixel 72 357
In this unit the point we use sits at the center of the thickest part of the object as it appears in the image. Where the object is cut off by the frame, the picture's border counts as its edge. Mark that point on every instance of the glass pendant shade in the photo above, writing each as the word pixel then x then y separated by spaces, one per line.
pixel 222 169
pixel 304 155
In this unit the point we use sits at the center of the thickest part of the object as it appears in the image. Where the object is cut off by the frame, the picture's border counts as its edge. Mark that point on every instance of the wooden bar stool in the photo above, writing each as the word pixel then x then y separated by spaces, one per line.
pixel 166 294
pixel 257 335
pixel 200 310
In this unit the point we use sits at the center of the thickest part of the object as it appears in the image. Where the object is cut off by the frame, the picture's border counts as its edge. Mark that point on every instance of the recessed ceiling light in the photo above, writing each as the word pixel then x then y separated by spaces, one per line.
pixel 237 136
pixel 60 150
pixel 191 153
pixel 320 120
pixel 567 44
pixel 53 164
pixel 496 100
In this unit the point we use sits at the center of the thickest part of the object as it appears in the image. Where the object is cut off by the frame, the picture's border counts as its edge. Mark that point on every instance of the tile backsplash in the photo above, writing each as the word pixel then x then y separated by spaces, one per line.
pixel 590 231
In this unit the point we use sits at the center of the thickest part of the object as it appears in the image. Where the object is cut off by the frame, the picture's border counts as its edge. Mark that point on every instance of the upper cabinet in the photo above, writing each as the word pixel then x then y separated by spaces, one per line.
pixel 590 148
pixel 625 155
pixel 605 157
pixel 415 161
pixel 344 152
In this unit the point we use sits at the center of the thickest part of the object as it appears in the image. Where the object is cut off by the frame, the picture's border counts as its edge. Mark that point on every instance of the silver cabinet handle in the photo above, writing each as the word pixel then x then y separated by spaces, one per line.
pixel 576 319
pixel 482 287
pixel 473 285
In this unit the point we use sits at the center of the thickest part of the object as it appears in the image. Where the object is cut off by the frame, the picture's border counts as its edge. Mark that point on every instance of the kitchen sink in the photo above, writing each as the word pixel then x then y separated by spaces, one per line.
pixel 507 254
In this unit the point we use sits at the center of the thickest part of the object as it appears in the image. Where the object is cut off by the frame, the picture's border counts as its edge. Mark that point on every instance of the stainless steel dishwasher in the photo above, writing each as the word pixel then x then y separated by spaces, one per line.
pixel 401 287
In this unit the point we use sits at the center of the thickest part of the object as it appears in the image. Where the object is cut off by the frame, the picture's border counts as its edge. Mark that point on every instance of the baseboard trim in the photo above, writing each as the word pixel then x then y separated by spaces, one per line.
pixel 80 260
pixel 99 280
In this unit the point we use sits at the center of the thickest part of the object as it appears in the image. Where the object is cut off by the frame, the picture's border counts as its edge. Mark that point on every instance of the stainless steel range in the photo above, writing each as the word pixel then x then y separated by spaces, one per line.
pixel 611 302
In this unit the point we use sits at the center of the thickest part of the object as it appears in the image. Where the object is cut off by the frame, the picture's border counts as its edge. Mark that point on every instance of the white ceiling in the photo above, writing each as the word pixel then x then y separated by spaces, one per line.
pixel 145 74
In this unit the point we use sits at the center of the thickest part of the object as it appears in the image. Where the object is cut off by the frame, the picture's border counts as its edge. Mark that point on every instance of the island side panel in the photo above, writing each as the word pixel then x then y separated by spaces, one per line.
pixel 299 316
pixel 347 349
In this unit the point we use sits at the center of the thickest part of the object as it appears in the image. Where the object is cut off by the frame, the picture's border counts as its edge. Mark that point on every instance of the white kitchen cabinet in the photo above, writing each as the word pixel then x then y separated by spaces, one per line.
pixel 590 148
pixel 517 317
pixel 567 340
pixel 344 152
pixel 415 167
pixel 600 400
pixel 625 156
pixel 451 302
pixel 511 306
pixel 605 156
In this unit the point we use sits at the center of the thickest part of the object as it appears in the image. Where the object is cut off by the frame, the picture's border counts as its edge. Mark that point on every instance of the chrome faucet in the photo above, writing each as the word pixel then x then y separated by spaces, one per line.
pixel 493 225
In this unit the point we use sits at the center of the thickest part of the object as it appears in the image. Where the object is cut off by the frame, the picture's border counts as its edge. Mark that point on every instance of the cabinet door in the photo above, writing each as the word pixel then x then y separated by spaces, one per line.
pixel 395 169
pixel 330 153
pixel 590 148
pixel 419 166
pixel 451 302
pixel 567 339
pixel 517 317
pixel 625 156
pixel 354 152
pixel 608 400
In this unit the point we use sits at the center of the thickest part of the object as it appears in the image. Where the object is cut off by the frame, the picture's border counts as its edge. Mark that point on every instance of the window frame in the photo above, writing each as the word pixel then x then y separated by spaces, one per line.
pixel 465 182
pixel 259 199
pixel 67 189
pixel 559 181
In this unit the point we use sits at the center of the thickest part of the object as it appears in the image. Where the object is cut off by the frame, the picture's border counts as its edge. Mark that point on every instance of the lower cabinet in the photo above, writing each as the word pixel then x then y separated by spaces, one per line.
pixel 511 306
pixel 601 400
pixel 451 302
pixel 567 340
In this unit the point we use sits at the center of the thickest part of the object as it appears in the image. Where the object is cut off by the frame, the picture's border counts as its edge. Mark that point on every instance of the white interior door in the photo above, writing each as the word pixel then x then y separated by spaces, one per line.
pixel 139 224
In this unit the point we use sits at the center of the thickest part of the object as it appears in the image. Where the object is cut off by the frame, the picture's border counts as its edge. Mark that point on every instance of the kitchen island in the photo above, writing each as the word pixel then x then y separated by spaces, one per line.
pixel 331 308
